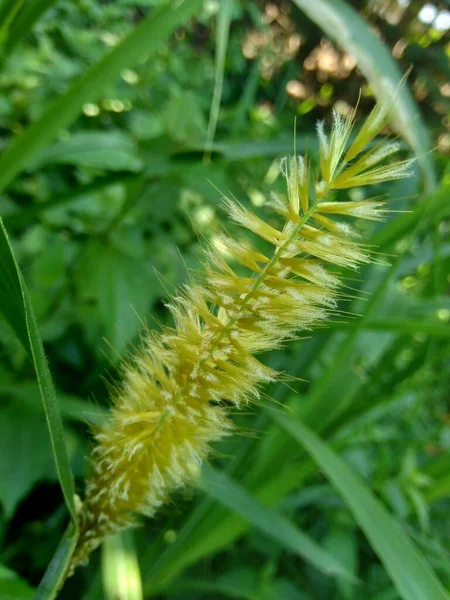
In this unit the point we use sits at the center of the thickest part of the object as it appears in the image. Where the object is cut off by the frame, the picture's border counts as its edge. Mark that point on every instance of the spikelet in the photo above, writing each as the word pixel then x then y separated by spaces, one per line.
pixel 177 391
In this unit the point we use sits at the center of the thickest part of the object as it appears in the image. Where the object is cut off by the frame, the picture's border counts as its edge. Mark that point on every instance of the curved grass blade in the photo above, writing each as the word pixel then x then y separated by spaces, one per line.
pixel 16 308
pixel 211 528
pixel 8 12
pixel 408 570
pixel 223 488
pixel 24 21
pixel 142 42
pixel 344 25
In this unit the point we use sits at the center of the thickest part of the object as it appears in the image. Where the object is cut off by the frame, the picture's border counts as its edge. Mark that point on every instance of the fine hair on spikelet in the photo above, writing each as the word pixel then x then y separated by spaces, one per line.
pixel 178 389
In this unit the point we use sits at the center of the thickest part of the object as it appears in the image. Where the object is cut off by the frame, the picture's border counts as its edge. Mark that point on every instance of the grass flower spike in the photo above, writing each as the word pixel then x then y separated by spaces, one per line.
pixel 177 391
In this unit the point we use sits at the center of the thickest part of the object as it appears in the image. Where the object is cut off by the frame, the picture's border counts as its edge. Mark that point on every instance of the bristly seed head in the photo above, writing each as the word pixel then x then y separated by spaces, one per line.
pixel 176 394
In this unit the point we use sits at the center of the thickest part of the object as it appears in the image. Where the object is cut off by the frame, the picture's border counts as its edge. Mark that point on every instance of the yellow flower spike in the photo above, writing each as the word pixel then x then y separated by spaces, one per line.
pixel 178 390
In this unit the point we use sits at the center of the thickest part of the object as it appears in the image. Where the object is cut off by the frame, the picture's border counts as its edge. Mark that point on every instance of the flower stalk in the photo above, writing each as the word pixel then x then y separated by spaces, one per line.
pixel 177 391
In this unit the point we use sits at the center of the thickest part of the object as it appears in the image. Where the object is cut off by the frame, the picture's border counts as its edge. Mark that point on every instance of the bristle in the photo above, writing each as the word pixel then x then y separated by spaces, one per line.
pixel 323 139
pixel 178 390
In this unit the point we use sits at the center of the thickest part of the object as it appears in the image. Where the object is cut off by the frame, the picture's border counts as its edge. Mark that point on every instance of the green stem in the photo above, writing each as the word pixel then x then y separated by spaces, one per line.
pixel 56 573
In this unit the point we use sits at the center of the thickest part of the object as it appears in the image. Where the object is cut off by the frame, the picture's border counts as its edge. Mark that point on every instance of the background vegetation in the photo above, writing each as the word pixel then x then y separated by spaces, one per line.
pixel 106 186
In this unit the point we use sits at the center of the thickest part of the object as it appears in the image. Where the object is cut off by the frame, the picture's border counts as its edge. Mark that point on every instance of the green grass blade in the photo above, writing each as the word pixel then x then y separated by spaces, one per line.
pixel 269 521
pixel 8 13
pixel 120 568
pixel 11 301
pixel 408 570
pixel 240 583
pixel 16 308
pixel 321 408
pixel 142 42
pixel 24 22
pixel 211 528
pixel 54 574
pixel 344 25
pixel 428 213
pixel 223 30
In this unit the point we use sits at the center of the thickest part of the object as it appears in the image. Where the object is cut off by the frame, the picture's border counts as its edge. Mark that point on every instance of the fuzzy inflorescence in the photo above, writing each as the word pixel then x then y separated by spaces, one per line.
pixel 177 391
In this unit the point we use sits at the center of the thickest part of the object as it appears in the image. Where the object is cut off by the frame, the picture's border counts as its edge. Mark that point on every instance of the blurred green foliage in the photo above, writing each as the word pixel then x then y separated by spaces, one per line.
pixel 105 223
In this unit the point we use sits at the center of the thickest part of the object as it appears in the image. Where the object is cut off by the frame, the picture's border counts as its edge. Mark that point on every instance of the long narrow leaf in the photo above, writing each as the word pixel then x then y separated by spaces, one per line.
pixel 210 528
pixel 16 308
pixel 271 522
pixel 142 42
pixel 408 570
pixel 8 12
pixel 120 568
pixel 24 22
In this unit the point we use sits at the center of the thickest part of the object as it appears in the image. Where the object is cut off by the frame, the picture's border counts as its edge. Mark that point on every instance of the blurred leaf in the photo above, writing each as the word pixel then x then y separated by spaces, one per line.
pixel 114 292
pixel 17 310
pixel 240 583
pixel 210 527
pixel 24 443
pixel 111 150
pixel 120 568
pixel 430 211
pixel 269 521
pixel 439 488
pixel 184 119
pixel 48 272
pixel 400 325
pixel 143 41
pixel 344 25
pixel 72 408
pixel 12 587
pixel 409 571
pixel 146 124
pixel 27 214
pixel 343 543
pixel 8 11
pixel 238 150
